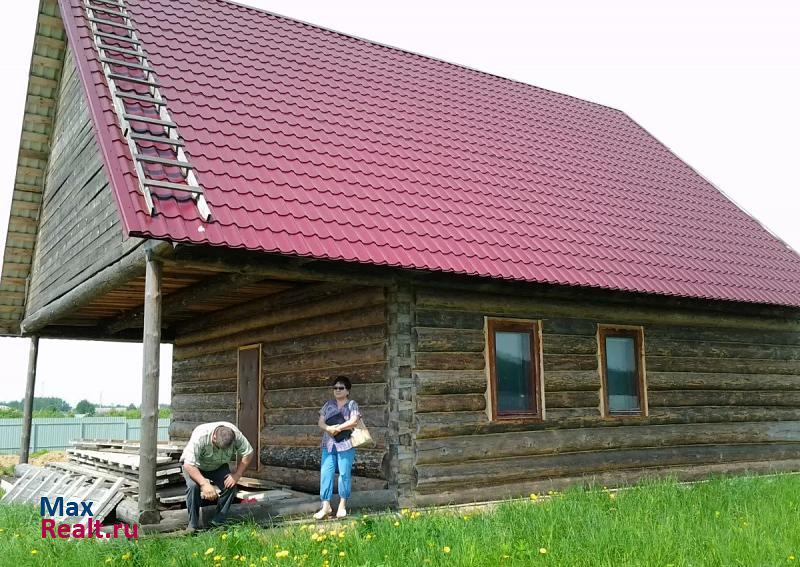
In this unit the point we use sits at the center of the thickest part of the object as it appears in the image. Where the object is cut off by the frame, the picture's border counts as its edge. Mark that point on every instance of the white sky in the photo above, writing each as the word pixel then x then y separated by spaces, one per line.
pixel 718 82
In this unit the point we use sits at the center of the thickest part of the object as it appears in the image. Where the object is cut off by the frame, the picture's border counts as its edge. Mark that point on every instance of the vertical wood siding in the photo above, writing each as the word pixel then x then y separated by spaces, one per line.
pixel 721 399
pixel 308 336
pixel 80 232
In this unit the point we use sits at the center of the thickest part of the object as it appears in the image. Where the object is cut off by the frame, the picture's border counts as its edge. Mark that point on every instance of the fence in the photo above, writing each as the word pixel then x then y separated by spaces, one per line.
pixel 54 433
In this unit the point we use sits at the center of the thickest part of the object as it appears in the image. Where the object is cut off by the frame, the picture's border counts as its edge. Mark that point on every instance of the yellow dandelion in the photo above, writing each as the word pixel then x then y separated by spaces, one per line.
pixel 542 550
pixel 282 553
pixel 34 551
pixel 243 558
pixel 341 535
pixel 790 558
pixel 396 524
pixel 252 565
pixel 126 556
pixel 2 530
pixel 534 496
pixel 209 551
pixel 223 536
pixel 304 527
pixel 446 549
pixel 109 560
pixel 612 495
pixel 716 514
pixel 236 558
pixel 264 558
pixel 194 554
pixel 217 557
pixel 342 554
pixel 325 552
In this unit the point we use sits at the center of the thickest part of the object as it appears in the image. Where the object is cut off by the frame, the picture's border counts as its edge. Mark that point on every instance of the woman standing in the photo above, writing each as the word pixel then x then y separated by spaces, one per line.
pixel 337 418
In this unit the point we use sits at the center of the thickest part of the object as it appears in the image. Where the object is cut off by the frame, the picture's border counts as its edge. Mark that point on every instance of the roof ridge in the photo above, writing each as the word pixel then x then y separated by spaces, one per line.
pixel 422 55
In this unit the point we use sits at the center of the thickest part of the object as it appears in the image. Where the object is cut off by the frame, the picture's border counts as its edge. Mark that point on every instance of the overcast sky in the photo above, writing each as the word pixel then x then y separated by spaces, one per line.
pixel 717 82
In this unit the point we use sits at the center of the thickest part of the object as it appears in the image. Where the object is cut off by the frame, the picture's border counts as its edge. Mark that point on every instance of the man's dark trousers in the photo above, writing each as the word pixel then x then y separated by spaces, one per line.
pixel 193 498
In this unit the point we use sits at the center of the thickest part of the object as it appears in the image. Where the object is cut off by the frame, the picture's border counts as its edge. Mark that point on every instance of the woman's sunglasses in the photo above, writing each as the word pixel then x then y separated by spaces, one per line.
pixel 339 388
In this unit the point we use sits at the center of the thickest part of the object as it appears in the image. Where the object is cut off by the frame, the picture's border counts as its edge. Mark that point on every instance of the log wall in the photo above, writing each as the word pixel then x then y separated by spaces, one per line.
pixel 308 334
pixel 723 392
pixel 80 231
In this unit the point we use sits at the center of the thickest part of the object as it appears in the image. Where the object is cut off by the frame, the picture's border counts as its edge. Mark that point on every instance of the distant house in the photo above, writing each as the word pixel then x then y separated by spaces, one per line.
pixel 527 289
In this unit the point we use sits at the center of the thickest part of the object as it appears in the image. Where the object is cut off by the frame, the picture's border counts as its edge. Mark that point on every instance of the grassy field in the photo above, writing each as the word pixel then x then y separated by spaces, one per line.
pixel 738 521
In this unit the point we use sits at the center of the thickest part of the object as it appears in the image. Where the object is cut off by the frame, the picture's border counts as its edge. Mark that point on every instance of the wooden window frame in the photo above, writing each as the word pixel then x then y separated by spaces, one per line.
pixel 637 334
pixel 257 448
pixel 532 327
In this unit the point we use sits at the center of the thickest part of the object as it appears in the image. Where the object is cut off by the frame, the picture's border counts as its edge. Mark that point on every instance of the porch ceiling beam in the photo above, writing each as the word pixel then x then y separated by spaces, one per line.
pixel 277 266
pixel 180 300
pixel 130 267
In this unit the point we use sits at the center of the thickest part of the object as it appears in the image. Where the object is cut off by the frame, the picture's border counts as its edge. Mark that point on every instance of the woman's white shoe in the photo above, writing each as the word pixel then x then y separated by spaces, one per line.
pixel 341 513
pixel 322 514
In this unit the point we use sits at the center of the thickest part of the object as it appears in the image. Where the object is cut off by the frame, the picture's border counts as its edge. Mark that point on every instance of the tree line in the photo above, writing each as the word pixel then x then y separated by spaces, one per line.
pixel 58 407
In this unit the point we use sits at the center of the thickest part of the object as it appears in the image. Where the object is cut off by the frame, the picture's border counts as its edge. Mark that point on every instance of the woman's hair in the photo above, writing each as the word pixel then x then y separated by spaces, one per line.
pixel 344 380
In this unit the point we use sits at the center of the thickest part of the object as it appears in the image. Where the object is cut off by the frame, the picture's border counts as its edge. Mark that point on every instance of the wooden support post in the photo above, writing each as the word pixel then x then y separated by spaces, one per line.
pixel 148 510
pixel 27 416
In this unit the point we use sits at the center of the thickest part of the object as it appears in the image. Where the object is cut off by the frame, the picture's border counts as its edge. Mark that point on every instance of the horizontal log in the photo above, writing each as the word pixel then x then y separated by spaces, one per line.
pixel 345 338
pixel 721 381
pixel 450 361
pixel 432 478
pixel 308 480
pixel 283 307
pixel 204 373
pixel 374 416
pixel 372 463
pixel 730 366
pixel 450 381
pixel 731 335
pixel 723 398
pixel 369 373
pixel 569 362
pixel 181 362
pixel 569 327
pixel 204 387
pixel 572 399
pixel 182 429
pixel 310 435
pixel 375 352
pixel 451 402
pixel 696 349
pixel 529 443
pixel 204 401
pixel 568 344
pixel 560 380
pixel 435 339
pixel 205 416
pixel 448 319
pixel 291 329
pixel 538 306
pixel 450 424
pixel 363 394
pixel 481 493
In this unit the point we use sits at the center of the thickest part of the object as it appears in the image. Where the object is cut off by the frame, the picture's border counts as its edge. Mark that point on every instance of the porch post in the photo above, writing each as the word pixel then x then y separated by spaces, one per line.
pixel 148 510
pixel 27 415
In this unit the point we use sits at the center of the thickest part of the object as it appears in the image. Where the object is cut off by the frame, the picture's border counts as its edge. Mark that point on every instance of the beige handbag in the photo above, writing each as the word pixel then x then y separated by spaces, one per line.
pixel 360 436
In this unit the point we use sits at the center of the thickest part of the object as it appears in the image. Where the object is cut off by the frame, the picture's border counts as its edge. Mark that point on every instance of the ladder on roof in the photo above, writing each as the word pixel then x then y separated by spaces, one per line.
pixel 158 155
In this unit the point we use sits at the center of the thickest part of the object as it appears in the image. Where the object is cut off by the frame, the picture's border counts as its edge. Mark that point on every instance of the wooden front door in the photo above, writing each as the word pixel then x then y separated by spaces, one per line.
pixel 248 396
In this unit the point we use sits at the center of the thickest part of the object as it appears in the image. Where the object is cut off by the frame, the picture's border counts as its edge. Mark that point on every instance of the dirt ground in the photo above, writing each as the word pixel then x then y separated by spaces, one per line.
pixel 49 457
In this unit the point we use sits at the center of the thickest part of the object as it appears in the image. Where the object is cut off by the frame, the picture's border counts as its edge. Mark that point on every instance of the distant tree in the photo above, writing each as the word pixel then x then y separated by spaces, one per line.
pixel 164 413
pixel 51 404
pixel 131 406
pixel 85 407
pixel 10 413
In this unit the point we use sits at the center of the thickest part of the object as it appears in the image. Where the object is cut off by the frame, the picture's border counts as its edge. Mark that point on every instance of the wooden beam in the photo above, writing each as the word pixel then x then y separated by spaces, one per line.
pixel 182 299
pixel 130 267
pixel 28 410
pixel 148 505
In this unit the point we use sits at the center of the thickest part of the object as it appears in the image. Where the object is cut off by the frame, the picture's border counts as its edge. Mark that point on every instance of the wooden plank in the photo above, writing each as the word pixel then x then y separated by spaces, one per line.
pixel 450 381
pixel 728 366
pixel 366 394
pixel 435 339
pixel 721 381
pixel 676 398
pixel 450 361
pixel 451 402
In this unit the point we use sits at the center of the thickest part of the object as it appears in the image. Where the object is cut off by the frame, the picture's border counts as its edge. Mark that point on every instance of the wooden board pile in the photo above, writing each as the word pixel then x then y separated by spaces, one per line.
pixel 121 459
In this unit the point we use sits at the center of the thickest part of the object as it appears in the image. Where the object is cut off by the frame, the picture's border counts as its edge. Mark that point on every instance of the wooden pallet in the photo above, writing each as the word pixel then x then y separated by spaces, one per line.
pixel 104 492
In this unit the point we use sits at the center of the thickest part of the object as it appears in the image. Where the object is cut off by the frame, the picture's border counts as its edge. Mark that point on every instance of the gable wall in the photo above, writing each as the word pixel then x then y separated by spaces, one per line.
pixel 723 397
pixel 80 231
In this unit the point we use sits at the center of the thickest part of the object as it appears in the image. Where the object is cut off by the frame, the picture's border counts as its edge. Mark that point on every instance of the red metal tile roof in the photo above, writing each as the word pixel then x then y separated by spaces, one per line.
pixel 313 143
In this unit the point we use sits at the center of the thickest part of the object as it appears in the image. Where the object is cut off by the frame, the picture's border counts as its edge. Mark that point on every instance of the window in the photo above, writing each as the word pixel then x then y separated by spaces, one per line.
pixel 513 369
pixel 623 377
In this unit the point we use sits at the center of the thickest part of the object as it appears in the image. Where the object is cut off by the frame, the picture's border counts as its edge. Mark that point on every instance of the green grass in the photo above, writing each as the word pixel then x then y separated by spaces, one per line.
pixel 735 521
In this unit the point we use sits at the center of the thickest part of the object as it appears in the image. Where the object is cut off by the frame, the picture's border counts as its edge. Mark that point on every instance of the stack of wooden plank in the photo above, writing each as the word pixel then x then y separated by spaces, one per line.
pixel 121 459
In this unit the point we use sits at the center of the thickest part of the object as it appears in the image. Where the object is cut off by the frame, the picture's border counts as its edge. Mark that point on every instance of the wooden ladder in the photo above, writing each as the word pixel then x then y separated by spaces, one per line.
pixel 140 103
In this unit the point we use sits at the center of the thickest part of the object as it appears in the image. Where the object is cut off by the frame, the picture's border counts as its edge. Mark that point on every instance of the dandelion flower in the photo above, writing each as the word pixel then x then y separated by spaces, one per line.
pixel 325 552
pixel 342 554
pixel 446 549
pixel 716 514
pixel 109 560
pixel 223 536
pixel 34 551
pixel 126 556
pixel 264 558
pixel 612 495
pixel 217 557
pixel 209 551
pixel 396 524
pixel 534 496
pixel 542 550
pixel 790 558
pixel 236 558
pixel 282 553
